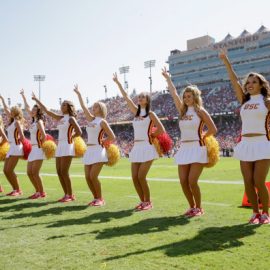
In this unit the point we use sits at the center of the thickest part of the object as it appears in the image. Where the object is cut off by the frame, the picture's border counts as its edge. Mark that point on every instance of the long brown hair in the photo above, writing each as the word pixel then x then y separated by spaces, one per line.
pixel 265 88
pixel 40 114
pixel 71 108
pixel 198 104
pixel 148 105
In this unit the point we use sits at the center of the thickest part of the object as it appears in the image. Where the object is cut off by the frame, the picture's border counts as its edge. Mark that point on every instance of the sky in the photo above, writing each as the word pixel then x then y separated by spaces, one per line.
pixel 85 41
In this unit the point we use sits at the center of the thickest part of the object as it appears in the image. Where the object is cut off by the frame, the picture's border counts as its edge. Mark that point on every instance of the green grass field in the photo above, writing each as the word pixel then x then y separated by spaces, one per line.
pixel 43 234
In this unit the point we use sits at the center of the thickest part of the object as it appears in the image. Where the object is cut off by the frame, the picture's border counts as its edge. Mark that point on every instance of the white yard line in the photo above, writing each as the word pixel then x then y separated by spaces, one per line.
pixel 223 182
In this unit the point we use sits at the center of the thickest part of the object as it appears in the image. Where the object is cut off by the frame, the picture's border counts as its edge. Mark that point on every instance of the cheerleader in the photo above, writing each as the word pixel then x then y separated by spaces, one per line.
pixel 68 128
pixel 36 156
pixel 4 140
pixel 253 150
pixel 192 154
pixel 95 156
pixel 143 152
pixel 15 138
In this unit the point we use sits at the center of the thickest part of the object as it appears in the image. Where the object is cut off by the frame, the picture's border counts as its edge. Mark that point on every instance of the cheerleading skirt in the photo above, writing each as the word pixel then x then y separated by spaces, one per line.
pixel 15 150
pixel 252 149
pixel 143 151
pixel 191 152
pixel 36 154
pixel 64 149
pixel 95 154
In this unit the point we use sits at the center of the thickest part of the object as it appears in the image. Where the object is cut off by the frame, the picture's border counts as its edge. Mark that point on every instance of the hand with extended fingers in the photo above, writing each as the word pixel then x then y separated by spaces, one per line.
pixel 115 78
pixel 165 73
pixel 76 89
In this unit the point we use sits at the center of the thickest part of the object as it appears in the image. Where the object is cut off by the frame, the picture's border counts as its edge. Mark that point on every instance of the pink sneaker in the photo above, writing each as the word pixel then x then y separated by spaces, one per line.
pixel 196 212
pixel 43 194
pixel 255 219
pixel 61 200
pixel 98 202
pixel 139 206
pixel 264 219
pixel 145 206
pixel 189 211
pixel 34 196
pixel 92 202
pixel 1 189
pixel 15 193
pixel 68 198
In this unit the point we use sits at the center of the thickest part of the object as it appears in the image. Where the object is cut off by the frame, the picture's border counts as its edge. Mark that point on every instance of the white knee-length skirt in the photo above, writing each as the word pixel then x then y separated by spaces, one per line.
pixel 15 150
pixel 36 154
pixel 143 151
pixel 252 149
pixel 65 149
pixel 191 152
pixel 95 154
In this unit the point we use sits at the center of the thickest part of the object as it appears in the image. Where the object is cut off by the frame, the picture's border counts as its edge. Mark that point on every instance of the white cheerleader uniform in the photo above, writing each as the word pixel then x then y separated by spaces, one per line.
pixel 143 149
pixel 95 152
pixel 35 138
pixel 16 147
pixel 255 119
pixel 192 148
pixel 65 145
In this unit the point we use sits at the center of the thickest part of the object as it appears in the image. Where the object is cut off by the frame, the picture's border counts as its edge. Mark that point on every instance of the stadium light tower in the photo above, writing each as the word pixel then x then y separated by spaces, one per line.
pixel 150 64
pixel 106 91
pixel 124 70
pixel 39 79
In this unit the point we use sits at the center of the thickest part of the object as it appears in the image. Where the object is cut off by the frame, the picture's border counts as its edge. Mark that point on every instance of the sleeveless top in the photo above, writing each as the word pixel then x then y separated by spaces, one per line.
pixel 94 131
pixel 65 130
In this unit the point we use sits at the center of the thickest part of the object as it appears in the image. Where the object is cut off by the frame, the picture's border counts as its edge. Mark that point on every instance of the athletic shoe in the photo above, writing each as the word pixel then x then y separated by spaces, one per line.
pixel 61 200
pixel 139 206
pixel 264 218
pixel 255 219
pixel 68 198
pixel 15 193
pixel 73 198
pixel 1 189
pixel 189 212
pixel 43 194
pixel 34 196
pixel 145 206
pixel 92 203
pixel 196 212
pixel 99 202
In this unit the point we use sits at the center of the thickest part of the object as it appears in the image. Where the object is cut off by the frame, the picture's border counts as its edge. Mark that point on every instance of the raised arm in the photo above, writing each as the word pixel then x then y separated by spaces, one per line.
pixel 26 105
pixel 54 115
pixel 6 108
pixel 157 123
pixel 232 75
pixel 133 108
pixel 177 100
pixel 87 113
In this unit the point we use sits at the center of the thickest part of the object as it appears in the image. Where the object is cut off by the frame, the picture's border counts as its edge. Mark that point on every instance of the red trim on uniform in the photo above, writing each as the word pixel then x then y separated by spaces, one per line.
pixel 38 138
pixel 267 119
pixel 200 131
pixel 100 136
pixel 149 131
pixel 69 134
pixel 16 136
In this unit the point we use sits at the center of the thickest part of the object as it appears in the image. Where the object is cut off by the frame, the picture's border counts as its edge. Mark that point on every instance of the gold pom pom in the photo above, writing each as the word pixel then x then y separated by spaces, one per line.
pixel 156 143
pixel 80 146
pixel 4 148
pixel 212 151
pixel 49 148
pixel 113 154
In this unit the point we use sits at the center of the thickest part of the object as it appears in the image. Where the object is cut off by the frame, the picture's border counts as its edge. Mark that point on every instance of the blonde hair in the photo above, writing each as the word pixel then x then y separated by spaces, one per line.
pixel 17 114
pixel 103 109
pixel 265 88
pixel 1 122
pixel 198 104
pixel 71 108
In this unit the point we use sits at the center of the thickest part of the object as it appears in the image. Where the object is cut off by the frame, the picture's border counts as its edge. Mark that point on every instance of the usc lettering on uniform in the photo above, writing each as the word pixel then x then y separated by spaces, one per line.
pixel 251 106
pixel 187 117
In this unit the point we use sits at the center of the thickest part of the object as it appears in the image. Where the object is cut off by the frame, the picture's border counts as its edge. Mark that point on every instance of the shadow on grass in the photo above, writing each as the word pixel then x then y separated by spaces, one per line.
pixel 145 226
pixel 50 211
pixel 101 217
pixel 209 239
pixel 22 204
